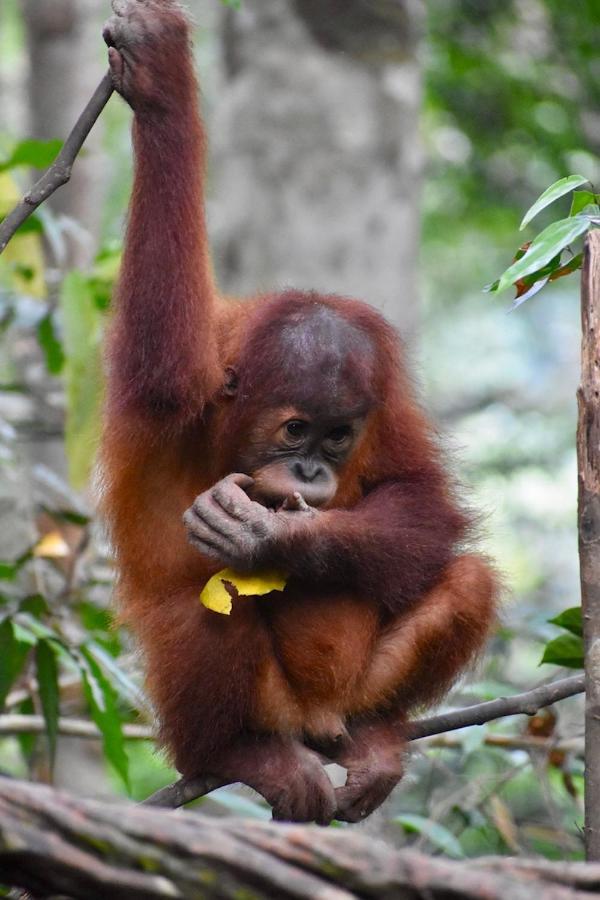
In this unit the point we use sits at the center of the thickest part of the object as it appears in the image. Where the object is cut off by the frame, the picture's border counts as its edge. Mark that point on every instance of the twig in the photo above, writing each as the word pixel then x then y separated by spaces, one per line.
pixel 59 172
pixel 528 703
pixel 13 723
pixel 528 742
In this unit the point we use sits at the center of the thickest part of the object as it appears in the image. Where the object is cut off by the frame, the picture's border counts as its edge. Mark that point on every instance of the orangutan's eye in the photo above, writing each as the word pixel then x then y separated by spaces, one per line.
pixel 296 429
pixel 340 434
pixel 338 441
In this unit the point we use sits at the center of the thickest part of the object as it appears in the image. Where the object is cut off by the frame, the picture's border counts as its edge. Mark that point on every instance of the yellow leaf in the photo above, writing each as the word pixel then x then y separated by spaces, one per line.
pixel 52 546
pixel 216 596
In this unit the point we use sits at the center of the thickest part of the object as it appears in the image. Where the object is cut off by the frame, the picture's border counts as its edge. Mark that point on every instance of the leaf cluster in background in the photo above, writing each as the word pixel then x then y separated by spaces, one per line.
pixel 541 261
pixel 69 326
pixel 30 152
pixel 566 650
pixel 41 637
pixel 511 90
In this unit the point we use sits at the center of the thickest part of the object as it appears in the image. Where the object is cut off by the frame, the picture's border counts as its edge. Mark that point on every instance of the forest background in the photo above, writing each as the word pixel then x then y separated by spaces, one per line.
pixel 386 151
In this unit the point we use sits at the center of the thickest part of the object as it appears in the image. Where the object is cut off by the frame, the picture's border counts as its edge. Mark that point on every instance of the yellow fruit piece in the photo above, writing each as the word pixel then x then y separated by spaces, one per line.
pixel 52 546
pixel 216 596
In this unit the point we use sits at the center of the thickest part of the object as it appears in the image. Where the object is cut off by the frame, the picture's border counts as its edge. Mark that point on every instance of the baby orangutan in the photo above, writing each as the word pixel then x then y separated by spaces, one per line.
pixel 286 426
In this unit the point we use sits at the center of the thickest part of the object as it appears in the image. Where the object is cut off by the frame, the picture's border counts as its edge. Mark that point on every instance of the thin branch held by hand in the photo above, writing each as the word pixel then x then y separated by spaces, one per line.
pixel 528 703
pixel 59 172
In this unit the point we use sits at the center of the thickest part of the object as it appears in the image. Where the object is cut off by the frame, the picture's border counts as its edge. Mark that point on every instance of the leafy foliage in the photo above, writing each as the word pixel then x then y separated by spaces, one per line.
pixel 47 679
pixel 438 836
pixel 39 154
pixel 554 192
pixel 566 650
pixel 102 702
pixel 541 260
pixel 84 299
pixel 37 637
pixel 50 344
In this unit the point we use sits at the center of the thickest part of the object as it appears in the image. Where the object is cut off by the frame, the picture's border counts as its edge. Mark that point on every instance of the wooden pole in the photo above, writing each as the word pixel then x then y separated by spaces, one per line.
pixel 588 520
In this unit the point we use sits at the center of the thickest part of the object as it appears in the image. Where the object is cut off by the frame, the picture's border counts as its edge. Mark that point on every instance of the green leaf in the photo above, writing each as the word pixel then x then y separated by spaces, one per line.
pixel 10 570
pixel 24 635
pixel 574 263
pixel 566 650
pixel 570 619
pixel 535 288
pixel 121 682
pixel 13 652
pixel 38 630
pixel 47 677
pixel 102 702
pixel 32 225
pixel 234 4
pixel 554 192
pixel 491 287
pixel 67 515
pixel 546 245
pixel 50 344
pixel 27 740
pixel 39 154
pixel 34 604
pixel 82 326
pixel 580 200
pixel 435 833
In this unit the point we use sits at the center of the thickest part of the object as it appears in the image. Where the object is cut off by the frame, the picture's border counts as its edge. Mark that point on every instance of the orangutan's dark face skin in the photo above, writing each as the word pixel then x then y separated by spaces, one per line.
pixel 289 468
pixel 290 452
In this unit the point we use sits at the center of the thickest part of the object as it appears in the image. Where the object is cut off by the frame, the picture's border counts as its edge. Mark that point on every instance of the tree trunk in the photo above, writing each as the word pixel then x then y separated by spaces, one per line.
pixel 316 160
pixel 588 458
pixel 66 64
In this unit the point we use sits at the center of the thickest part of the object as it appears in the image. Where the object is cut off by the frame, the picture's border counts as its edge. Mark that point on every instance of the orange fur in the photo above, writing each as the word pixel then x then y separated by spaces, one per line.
pixel 380 613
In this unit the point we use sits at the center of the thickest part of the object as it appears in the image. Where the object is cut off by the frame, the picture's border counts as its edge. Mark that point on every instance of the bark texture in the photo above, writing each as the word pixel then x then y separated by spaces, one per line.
pixel 53 843
pixel 588 466
pixel 67 59
pixel 316 160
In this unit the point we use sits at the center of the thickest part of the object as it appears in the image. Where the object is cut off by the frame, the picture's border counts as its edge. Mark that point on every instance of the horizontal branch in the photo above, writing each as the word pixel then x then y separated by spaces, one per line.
pixel 59 172
pixel 529 742
pixel 528 703
pixel 16 723
pixel 52 843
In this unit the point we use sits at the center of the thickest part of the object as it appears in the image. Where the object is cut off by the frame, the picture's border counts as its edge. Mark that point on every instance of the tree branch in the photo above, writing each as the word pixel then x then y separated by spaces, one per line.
pixel 59 172
pixel 588 529
pixel 52 843
pixel 15 723
pixel 528 703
